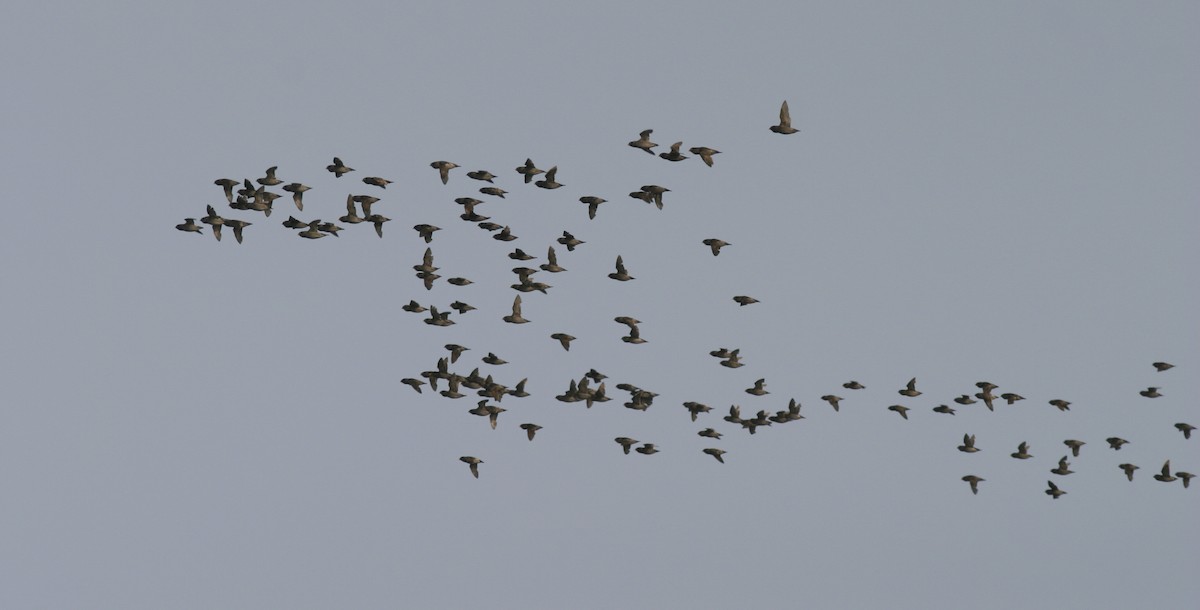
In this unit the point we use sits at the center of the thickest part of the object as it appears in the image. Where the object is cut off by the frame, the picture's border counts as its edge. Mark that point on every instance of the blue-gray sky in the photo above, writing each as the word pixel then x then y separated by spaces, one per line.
pixel 980 191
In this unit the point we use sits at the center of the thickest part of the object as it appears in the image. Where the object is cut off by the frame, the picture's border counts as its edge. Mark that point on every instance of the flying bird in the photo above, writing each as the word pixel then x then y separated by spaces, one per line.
pixel 717 453
pixel 1074 445
pixel 516 318
pixel 853 385
pixel 621 275
pixel 743 300
pixel 625 443
pixel 1128 469
pixel 674 154
pixel 528 170
pixel 549 182
pixel 1022 451
pixel 564 339
pixel 377 181
pixel 785 121
pixel 530 429
pixel 911 389
pixel 593 204
pixel 705 153
pixel 968 445
pixel 443 168
pixel 1186 429
pixel 1064 467
pixel 1115 442
pixel 473 462
pixel 189 226
pixel 483 175
pixel 647 449
pixel 338 168
pixel 1165 475
pixel 643 142
pixel 1150 393
pixel 902 410
pixel 1162 366
pixel 270 179
pixel 297 190
pixel 973 481
pixel 1054 492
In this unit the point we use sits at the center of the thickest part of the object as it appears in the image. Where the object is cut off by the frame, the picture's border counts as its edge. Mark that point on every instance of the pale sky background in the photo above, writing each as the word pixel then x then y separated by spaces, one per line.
pixel 980 191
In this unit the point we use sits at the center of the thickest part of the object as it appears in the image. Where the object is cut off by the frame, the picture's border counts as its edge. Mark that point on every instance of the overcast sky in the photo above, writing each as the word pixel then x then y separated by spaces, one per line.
pixel 1001 192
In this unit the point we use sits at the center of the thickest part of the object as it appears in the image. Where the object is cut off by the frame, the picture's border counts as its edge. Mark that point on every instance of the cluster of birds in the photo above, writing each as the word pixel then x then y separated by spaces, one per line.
pixel 256 197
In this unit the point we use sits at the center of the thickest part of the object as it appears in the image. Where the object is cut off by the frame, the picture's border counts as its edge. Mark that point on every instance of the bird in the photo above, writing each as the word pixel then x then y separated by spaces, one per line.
pixel 227 185
pixel 785 121
pixel 530 429
pixel 413 307
pixel 564 339
pixel 1150 392
pixel 593 204
pixel 330 228
pixel 551 264
pixel 733 361
pixel 758 389
pixel 213 220
pixel 505 234
pixel 705 153
pixel 911 389
pixel 1186 429
pixel 696 408
pixel 710 433
pixel 426 231
pixel 1162 366
pixel 1022 451
pixel 621 275
pixel 443 168
pixel 493 191
pixel 943 409
pixel 237 226
pixel 351 216
pixel 455 351
pixel 634 336
pixel 519 390
pixel 313 231
pixel 968 445
pixel 516 318
pixel 459 281
pixel 377 181
pixel 1010 398
pixel 270 179
pixel 1115 442
pixel 717 453
pixel 483 175
pixel 1061 404
pixel 743 300
pixel 1064 467
pixel 297 190
pixel 189 226
pixel 674 154
pixel 832 400
pixel 378 220
pixel 528 170
pixel 1128 468
pixel 1054 492
pixel 902 410
pixel 656 193
pixel 973 481
pixel 853 385
pixel 1074 445
pixel 338 168
pixel 494 412
pixel 473 462
pixel 1185 477
pixel 642 195
pixel 625 443
pixel 647 449
pixel 1165 475
pixel 965 399
pixel 520 255
pixel 570 241
pixel 716 245
pixel 413 383
pixel 549 182
pixel 643 142
pixel 493 359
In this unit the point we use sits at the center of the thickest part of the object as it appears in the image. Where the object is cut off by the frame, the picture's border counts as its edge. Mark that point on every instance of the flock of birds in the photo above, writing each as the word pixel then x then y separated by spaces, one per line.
pixel 591 387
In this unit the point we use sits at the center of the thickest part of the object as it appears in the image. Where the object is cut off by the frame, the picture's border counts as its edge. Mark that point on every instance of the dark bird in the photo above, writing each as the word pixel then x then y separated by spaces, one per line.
pixel 832 400
pixel 1150 393
pixel 1128 468
pixel 313 231
pixel 519 390
pixel 621 275
pixel 529 171
pixel 696 408
pixel 1186 429
pixel 1165 476
pixel 626 443
pixel 853 385
pixel 551 265
pixel 593 204
pixel 443 168
pixel 413 383
pixel 413 307
pixel 505 234
pixel 213 220
pixel 569 241
pixel 965 399
pixel 227 185
pixel 1074 445
pixel 189 226
pixel 758 389
pixel 270 179
pixel 1064 467
pixel 493 359
pixel 237 226
pixel 530 429
pixel 656 193
pixel 716 245
pixel 643 195
pixel 1010 398
pixel 378 220
pixel 459 281
pixel 1061 404
pixel 564 339
pixel 455 351
pixel 483 175
pixel 493 191
pixel 338 168
pixel 785 121
pixel 647 449
pixel 548 182
pixel 710 433
pixel 705 154
pixel 674 154
pixel 473 462
pixel 1115 442
pixel 377 181
pixel 297 190
pixel 1022 451
pixel 735 415
pixel 516 318
pixel 743 300
pixel 911 389
pixel 635 336
pixel 643 142
pixel 1186 477
pixel 902 410
pixel 351 216
pixel 968 445
pixel 733 361
pixel 330 228
pixel 1158 366
pixel 1054 492
pixel 461 307
pixel 943 409
pixel 717 453
pixel 426 231
pixel 973 481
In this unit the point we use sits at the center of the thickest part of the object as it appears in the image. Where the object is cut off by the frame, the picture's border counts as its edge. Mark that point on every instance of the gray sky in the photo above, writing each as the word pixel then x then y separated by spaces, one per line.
pixel 980 191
